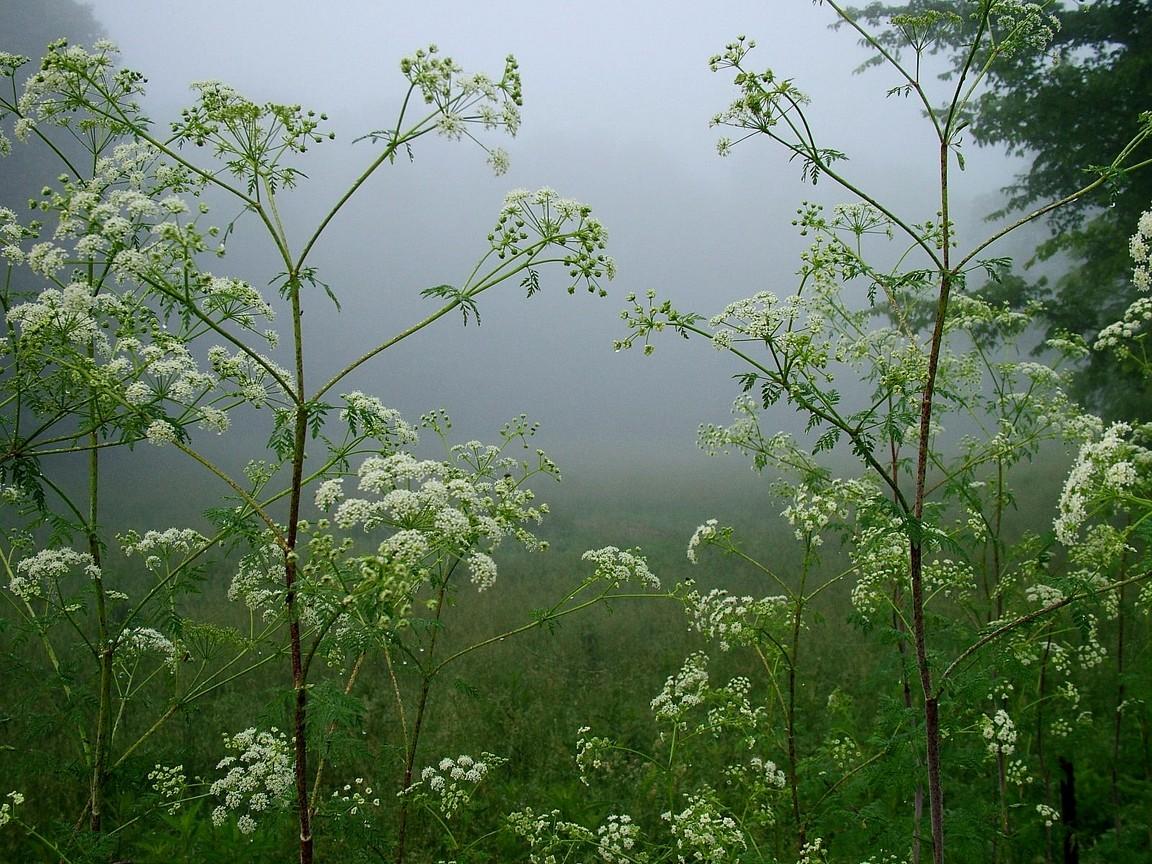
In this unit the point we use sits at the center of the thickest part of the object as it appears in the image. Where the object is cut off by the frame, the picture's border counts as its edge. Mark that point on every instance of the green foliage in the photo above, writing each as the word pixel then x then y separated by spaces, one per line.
pixel 1069 109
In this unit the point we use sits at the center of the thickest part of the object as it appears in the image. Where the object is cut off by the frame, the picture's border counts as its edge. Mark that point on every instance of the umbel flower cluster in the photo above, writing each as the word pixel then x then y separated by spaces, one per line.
pixel 1000 733
pixel 461 100
pixel 47 567
pixel 8 808
pixel 427 523
pixel 543 218
pixel 257 778
pixel 704 833
pixel 450 783
pixel 357 799
pixel 170 783
pixel 461 508
pixel 1127 336
pixel 1105 469
pixel 121 338
pixel 730 620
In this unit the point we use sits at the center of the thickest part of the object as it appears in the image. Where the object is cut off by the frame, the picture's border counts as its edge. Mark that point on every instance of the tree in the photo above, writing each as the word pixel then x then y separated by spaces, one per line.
pixel 1070 107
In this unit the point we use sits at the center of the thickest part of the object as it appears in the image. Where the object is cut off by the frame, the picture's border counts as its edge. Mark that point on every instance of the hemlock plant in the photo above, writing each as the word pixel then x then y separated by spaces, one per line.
pixel 349 547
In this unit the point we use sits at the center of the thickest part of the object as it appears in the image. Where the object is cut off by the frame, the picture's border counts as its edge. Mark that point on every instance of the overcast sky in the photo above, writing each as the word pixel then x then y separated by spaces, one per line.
pixel 617 101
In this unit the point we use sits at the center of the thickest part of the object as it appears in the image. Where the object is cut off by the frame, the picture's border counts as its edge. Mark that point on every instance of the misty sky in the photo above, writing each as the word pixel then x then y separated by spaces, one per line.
pixel 617 102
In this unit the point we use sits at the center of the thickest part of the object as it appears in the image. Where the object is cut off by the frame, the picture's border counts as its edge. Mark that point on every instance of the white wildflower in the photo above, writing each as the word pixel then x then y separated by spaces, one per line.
pixel 482 569
pixel 684 690
pixel 169 782
pixel 616 838
pixel 617 566
pixel 1000 733
pixel 49 565
pixel 263 769
pixel 8 808
pixel 139 640
pixel 161 432
pixel 705 835
pixel 450 784
pixel 329 492
pixel 703 533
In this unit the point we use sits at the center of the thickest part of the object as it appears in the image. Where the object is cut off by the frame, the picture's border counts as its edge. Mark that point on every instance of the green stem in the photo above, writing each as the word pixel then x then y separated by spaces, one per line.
pixel 552 615
pixel 104 646
pixel 299 680
pixel 417 724
pixel 991 637
pixel 282 541
pixel 56 850
pixel 1055 205
pixel 316 781
pixel 489 281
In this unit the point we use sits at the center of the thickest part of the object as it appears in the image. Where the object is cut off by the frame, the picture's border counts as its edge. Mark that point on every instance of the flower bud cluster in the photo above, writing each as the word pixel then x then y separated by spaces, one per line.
pixel 169 782
pixel 461 100
pixel 530 222
pixel 440 81
pixel 72 84
pixel 764 98
pixel 252 139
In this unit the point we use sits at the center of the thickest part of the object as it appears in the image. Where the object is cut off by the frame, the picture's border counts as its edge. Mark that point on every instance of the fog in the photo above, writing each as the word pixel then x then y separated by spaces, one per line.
pixel 618 98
